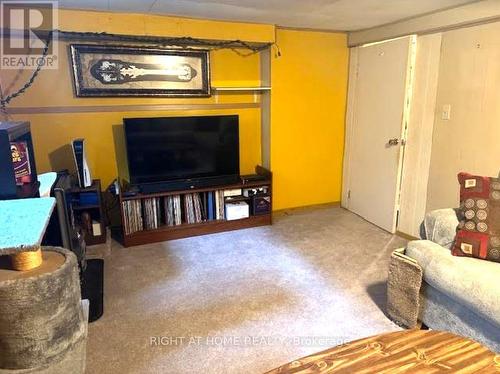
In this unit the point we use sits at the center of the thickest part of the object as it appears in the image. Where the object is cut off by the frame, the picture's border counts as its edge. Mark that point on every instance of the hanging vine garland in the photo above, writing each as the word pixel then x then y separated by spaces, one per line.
pixel 183 42
pixel 40 63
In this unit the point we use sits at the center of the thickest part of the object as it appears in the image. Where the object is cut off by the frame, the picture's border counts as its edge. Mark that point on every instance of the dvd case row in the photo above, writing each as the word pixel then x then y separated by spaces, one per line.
pixel 151 213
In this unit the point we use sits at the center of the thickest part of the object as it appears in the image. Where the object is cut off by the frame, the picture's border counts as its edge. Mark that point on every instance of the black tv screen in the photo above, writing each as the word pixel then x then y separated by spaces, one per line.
pixel 176 148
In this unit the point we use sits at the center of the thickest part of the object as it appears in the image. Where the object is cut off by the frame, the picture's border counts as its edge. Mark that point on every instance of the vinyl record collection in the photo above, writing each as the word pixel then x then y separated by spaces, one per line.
pixel 173 210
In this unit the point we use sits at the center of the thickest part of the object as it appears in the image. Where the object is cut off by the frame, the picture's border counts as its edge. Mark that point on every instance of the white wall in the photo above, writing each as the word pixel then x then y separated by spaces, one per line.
pixel 463 73
pixel 469 81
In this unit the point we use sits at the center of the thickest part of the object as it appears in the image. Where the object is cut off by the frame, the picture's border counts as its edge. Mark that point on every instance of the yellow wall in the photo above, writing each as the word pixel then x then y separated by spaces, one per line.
pixel 308 102
pixel 147 24
pixel 54 88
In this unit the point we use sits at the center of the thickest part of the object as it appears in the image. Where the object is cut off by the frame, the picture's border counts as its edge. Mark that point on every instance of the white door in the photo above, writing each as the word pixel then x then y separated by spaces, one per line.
pixel 378 99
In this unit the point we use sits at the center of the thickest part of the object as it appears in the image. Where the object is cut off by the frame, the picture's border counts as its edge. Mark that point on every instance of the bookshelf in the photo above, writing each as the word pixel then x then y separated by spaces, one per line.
pixel 18 135
pixel 156 217
pixel 94 210
pixel 242 89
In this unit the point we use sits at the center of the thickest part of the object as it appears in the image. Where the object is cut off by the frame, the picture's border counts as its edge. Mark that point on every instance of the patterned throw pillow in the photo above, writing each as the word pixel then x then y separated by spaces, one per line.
pixel 479 228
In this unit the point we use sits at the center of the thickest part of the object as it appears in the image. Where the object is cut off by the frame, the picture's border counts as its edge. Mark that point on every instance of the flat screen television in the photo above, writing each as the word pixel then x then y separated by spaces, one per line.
pixel 178 152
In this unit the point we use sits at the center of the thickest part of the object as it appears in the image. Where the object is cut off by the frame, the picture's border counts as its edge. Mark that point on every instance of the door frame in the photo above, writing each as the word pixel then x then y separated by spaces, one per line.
pixel 350 120
pixel 417 158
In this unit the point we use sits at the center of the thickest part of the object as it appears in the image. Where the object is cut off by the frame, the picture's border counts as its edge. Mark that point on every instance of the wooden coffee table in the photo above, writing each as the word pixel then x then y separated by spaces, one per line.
pixel 415 351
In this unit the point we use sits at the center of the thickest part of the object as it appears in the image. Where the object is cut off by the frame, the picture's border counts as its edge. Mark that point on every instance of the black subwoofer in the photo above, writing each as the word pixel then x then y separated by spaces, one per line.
pixel 93 287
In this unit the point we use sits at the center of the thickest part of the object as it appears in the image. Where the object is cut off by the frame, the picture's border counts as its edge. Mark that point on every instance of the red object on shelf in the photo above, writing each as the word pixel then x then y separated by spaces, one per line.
pixel 18 176
pixel 21 162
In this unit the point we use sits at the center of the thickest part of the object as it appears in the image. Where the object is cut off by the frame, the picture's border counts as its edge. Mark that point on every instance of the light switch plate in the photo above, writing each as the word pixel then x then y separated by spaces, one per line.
pixel 446 113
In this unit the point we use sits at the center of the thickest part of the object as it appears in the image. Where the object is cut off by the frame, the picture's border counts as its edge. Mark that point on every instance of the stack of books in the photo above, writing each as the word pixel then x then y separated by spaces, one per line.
pixel 219 204
pixel 173 213
pixel 189 211
pixel 174 210
pixel 203 206
pixel 151 213
pixel 132 216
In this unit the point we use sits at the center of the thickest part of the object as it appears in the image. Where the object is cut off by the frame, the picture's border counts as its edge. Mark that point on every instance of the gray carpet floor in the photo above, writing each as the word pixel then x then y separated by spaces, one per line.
pixel 243 301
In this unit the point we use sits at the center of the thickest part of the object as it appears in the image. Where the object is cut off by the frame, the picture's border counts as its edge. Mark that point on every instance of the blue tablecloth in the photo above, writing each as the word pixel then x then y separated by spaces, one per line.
pixel 23 223
pixel 46 180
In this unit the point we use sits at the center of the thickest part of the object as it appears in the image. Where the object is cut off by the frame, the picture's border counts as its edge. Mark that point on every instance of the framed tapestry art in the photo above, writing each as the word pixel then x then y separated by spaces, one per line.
pixel 111 70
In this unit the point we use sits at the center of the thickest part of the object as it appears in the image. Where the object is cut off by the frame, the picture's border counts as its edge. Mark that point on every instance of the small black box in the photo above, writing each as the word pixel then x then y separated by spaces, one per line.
pixel 261 204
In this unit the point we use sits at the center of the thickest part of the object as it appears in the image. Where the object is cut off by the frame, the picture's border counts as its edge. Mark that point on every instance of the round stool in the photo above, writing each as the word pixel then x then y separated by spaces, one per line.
pixel 41 316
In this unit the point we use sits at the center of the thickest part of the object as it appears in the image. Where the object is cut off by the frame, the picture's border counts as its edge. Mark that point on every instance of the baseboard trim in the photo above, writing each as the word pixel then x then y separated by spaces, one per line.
pixel 406 236
pixel 305 208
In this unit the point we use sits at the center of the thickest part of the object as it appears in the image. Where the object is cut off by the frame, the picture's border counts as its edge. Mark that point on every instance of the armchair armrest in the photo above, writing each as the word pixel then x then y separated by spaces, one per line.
pixel 440 226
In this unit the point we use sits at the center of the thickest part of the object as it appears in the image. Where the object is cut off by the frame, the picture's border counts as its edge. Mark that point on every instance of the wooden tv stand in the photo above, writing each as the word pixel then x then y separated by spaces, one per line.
pixel 183 230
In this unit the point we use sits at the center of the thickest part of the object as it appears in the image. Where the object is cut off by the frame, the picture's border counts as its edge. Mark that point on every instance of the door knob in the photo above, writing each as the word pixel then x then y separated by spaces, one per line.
pixel 393 141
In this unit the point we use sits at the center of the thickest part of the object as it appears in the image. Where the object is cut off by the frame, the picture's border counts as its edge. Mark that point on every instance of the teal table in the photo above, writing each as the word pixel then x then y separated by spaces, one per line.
pixel 22 226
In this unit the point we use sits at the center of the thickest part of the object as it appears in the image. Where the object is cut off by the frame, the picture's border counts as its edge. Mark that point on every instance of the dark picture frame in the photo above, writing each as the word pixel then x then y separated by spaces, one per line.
pixel 117 70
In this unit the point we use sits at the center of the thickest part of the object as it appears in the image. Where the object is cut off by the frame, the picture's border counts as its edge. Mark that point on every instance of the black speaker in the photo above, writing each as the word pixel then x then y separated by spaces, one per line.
pixel 93 287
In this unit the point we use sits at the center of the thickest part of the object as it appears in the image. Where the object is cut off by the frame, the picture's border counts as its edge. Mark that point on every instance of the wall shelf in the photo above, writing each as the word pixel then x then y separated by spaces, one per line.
pixel 241 89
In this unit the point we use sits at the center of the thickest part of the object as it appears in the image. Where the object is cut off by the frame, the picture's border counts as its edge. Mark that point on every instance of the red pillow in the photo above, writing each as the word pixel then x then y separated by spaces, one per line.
pixel 479 228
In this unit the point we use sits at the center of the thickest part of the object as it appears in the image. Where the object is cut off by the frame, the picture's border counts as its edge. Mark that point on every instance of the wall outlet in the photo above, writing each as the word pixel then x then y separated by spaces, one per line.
pixel 446 112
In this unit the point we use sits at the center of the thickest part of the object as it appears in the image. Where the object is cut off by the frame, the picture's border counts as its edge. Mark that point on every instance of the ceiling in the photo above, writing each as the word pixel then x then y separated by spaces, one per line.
pixel 341 15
